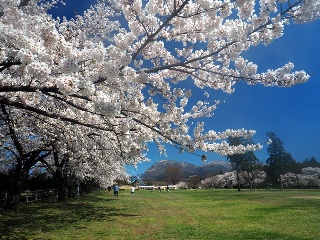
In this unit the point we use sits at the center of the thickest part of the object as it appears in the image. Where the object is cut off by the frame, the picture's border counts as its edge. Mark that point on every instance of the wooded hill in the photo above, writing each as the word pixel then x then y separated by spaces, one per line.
pixel 157 170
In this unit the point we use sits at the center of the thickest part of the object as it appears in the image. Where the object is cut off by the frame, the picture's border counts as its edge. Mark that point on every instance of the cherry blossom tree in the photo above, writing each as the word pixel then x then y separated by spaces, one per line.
pixel 225 180
pixel 242 162
pixel 64 155
pixel 233 179
pixel 30 140
pixel 254 175
pixel 116 70
pixel 310 177
pixel 21 149
pixel 182 185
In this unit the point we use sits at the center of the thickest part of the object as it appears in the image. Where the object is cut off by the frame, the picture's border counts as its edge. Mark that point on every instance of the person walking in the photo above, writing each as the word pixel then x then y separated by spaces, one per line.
pixel 116 190
pixel 132 191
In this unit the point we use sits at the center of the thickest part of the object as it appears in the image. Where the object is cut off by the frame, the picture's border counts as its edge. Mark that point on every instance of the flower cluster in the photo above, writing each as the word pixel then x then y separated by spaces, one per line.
pixel 38 70
pixel 67 84
pixel 68 65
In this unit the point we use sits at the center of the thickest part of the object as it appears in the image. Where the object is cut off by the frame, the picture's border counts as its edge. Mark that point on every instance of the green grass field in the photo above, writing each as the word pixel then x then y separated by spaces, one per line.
pixel 180 214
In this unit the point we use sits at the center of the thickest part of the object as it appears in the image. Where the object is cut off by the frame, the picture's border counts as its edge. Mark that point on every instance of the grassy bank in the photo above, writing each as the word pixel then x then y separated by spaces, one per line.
pixel 181 214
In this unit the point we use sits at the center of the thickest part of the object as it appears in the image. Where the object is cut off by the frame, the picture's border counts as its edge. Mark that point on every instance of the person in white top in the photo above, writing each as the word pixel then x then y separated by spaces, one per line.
pixel 132 191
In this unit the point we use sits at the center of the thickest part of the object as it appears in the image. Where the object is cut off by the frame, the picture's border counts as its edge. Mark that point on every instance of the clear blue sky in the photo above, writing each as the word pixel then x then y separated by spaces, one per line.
pixel 293 114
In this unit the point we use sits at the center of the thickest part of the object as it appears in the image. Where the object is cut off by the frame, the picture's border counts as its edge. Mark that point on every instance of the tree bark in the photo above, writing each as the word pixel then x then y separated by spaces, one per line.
pixel 281 184
pixel 71 186
pixel 16 187
pixel 238 178
pixel 61 185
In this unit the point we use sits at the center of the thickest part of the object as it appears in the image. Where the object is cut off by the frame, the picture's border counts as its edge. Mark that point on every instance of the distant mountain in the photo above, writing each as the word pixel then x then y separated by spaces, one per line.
pixel 157 170
pixel 213 168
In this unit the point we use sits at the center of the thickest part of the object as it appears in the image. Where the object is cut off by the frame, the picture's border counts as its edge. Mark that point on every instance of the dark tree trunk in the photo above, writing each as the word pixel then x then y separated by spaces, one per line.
pixel 24 162
pixel 252 185
pixel 72 188
pixel 281 184
pixel 14 193
pixel 61 185
pixel 238 178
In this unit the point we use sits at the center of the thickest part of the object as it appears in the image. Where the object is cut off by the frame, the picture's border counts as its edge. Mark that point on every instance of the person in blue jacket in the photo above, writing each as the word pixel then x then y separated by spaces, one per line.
pixel 116 190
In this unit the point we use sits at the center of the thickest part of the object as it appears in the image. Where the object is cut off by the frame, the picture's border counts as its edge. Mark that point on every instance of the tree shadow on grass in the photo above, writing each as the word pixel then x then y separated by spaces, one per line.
pixel 46 217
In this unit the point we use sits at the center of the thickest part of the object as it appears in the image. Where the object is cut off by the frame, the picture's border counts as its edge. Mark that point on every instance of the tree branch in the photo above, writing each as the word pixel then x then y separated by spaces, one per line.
pixel 12 131
pixel 151 36
pixel 19 105
pixel 8 63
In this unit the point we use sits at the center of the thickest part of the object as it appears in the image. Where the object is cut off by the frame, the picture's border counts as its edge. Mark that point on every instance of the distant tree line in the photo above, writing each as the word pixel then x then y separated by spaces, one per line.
pixel 279 171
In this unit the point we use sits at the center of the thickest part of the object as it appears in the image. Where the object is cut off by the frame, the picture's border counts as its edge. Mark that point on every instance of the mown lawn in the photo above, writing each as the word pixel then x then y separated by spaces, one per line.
pixel 180 214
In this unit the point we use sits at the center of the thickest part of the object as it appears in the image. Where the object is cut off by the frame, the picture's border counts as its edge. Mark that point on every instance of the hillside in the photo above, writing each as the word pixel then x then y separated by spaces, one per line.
pixel 213 168
pixel 157 170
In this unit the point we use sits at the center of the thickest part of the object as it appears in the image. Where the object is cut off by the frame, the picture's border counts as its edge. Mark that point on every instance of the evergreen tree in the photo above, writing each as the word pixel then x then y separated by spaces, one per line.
pixel 279 161
pixel 312 162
